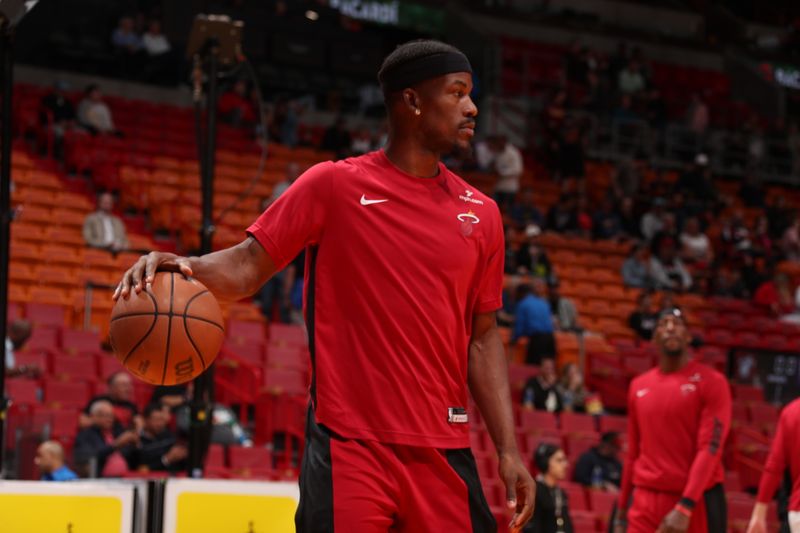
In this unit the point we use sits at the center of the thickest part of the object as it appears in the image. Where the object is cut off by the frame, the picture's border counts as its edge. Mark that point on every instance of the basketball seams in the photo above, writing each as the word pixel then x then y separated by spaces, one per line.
pixel 150 330
pixel 186 327
pixel 169 326
pixel 200 318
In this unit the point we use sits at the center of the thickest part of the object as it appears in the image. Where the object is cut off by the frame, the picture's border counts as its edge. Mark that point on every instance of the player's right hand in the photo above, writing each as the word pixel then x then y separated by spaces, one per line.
pixel 757 525
pixel 144 270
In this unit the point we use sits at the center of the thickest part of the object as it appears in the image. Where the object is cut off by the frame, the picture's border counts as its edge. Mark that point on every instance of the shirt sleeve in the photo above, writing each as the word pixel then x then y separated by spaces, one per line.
pixel 626 488
pixel 296 219
pixel 715 421
pixel 776 464
pixel 490 289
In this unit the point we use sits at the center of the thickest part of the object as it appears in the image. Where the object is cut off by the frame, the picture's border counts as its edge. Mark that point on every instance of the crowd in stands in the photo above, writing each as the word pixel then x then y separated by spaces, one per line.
pixel 143 52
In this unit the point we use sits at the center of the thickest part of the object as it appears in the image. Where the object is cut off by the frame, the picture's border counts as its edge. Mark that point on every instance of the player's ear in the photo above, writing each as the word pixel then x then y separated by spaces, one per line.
pixel 411 101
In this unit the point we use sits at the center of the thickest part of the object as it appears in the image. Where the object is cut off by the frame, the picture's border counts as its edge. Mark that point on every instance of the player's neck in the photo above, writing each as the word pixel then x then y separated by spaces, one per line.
pixel 669 364
pixel 407 155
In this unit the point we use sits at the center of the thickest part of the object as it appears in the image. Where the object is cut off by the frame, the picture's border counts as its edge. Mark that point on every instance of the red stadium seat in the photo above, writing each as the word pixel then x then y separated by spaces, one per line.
pixel 74 367
pixel 252 352
pixel 576 494
pixel 577 423
pixel 23 391
pixel 285 334
pixel 37 359
pixel 578 443
pixel 293 357
pixel 583 520
pixel 65 394
pixel 216 456
pixel 243 332
pixel 602 503
pixel 250 462
pixel 44 315
pixel 74 341
pixel 613 423
pixel 285 381
pixel 42 338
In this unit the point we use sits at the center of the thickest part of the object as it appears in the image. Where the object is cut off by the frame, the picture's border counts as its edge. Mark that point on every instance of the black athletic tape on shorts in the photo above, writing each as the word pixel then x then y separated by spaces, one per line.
pixel 687 502
pixel 424 68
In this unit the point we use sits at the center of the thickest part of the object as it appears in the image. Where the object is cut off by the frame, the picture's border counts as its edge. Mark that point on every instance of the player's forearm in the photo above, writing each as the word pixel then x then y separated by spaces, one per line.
pixel 233 273
pixel 488 382
pixel 699 475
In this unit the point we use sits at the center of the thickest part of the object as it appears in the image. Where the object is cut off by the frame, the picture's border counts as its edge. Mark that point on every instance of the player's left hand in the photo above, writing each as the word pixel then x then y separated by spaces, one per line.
pixel 674 522
pixel 520 489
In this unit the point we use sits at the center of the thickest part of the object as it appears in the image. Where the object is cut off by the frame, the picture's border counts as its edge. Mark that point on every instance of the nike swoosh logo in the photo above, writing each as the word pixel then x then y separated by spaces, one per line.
pixel 364 200
pixel 642 392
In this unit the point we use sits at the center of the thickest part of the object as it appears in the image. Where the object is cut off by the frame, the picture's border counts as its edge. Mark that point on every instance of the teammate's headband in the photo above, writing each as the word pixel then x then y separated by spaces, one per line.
pixel 424 68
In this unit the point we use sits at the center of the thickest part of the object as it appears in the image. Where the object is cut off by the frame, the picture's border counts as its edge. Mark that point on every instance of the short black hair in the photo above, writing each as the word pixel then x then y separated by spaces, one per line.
pixel 151 408
pixel 409 52
pixel 541 456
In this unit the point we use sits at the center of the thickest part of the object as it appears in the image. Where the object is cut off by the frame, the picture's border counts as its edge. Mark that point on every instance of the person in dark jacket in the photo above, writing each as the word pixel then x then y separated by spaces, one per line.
pixel 101 450
pixel 551 513
pixel 600 467
pixel 158 447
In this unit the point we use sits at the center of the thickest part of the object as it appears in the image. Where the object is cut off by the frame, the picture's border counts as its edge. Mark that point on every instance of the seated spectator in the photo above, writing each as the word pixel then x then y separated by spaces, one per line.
pixel 524 212
pixel 728 283
pixel 158 448
pixel 541 392
pixel 235 108
pixel 643 319
pixel 534 321
pixel 94 114
pixel 606 222
pixel 668 270
pixel 631 79
pixel 101 448
pixel 636 268
pixel 120 397
pixel 776 296
pixel 571 387
pixel 551 510
pixel 172 396
pixel 17 334
pixel 653 219
pixel 337 139
pixel 735 236
pixel 532 258
pixel 790 242
pixel 50 462
pixel 506 161
pixel 565 314
pixel 154 42
pixel 600 467
pixel 695 245
pixel 125 39
pixel 103 229
pixel 563 215
pixel 58 114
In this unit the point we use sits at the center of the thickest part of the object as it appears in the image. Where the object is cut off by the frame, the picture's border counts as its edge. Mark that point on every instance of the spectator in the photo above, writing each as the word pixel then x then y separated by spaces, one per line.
pixel 583 217
pixel 155 43
pixel 507 163
pixel 631 80
pixel 235 108
pixel 565 313
pixel 728 283
pixel 532 258
pixel 524 212
pixel 653 220
pixel 337 139
pixel 58 114
pixel 158 448
pixel 762 240
pixel 697 116
pixel 103 229
pixel 534 321
pixel 600 467
pixel 18 333
pixel 790 241
pixel 119 396
pixel 541 392
pixel 551 512
pixel 50 461
pixel 695 245
pixel 125 39
pixel 636 268
pixel 630 175
pixel 563 216
pixel 776 296
pixel 575 397
pixel 606 222
pixel 643 319
pixel 94 114
pixel 292 173
pixel 101 448
pixel 735 236
pixel 668 270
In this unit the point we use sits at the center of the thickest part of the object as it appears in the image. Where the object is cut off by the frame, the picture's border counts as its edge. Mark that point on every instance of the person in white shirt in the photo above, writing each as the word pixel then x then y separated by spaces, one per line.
pixel 154 42
pixel 695 245
pixel 93 113
pixel 103 229
pixel 505 159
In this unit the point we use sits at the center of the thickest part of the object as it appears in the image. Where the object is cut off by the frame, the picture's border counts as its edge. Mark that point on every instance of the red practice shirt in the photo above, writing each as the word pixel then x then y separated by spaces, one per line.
pixel 782 455
pixel 677 425
pixel 396 268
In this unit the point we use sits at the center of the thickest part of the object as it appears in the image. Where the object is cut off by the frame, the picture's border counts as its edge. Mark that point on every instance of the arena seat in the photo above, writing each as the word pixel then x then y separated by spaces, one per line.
pixel 253 462
pixel 613 423
pixel 74 367
pixel 530 420
pixel 576 495
pixel 577 423
pixel 65 394
pixel 22 391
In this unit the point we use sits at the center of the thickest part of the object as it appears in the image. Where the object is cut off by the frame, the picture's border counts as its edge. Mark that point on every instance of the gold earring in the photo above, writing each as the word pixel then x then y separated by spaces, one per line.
pixel 417 112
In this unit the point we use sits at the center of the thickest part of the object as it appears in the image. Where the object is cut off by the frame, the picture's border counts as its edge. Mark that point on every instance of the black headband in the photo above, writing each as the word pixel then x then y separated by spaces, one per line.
pixel 424 68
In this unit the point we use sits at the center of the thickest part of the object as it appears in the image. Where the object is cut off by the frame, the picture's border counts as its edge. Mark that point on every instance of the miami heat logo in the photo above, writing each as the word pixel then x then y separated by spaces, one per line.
pixel 467 221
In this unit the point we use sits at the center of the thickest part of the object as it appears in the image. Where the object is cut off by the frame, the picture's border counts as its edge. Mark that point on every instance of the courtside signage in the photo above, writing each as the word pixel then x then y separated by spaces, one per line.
pixel 68 507
pixel 219 506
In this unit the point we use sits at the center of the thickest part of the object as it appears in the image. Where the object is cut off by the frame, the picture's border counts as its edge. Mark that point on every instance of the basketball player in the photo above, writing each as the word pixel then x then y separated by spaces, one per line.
pixel 678 417
pixel 782 455
pixel 404 273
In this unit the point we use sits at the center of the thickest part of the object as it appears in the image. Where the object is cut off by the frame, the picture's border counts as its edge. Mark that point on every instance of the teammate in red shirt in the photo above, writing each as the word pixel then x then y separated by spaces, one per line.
pixel 404 273
pixel 678 418
pixel 782 455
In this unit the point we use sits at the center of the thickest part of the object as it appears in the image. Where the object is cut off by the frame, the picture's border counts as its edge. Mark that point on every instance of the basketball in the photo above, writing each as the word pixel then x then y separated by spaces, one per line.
pixel 170 333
